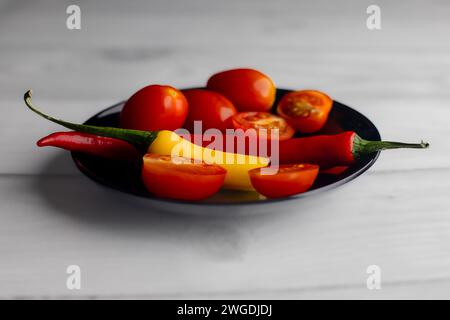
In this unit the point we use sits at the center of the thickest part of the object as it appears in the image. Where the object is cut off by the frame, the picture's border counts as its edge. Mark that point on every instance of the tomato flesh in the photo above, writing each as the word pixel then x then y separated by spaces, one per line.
pixel 211 108
pixel 154 107
pixel 247 89
pixel 263 120
pixel 307 111
pixel 290 180
pixel 181 178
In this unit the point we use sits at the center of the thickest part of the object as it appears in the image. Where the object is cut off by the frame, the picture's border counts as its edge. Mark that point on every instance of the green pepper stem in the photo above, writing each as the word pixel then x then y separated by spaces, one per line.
pixel 361 146
pixel 140 139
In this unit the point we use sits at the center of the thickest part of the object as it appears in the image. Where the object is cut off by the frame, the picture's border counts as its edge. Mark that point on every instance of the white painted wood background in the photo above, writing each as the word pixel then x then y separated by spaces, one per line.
pixel 396 216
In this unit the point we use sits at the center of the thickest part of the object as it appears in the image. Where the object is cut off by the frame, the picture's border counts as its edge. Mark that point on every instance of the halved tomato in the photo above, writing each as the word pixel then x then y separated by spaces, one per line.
pixel 263 120
pixel 181 178
pixel 291 179
pixel 307 110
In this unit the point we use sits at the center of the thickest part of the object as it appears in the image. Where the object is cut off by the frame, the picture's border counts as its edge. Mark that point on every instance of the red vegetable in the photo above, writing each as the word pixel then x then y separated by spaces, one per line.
pixel 181 178
pixel 247 89
pixel 335 150
pixel 104 147
pixel 263 120
pixel 212 108
pixel 306 110
pixel 290 180
pixel 154 107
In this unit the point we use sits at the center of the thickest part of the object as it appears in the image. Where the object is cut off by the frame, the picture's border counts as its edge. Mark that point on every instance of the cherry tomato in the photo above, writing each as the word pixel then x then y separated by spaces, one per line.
pixel 249 90
pixel 155 107
pixel 181 178
pixel 212 108
pixel 290 180
pixel 307 110
pixel 263 120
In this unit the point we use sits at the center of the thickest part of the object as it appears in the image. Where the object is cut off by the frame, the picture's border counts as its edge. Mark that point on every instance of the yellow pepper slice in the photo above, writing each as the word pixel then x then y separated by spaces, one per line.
pixel 237 165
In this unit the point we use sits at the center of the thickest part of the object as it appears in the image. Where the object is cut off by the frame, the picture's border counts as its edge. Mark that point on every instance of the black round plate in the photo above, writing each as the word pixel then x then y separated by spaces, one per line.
pixel 126 178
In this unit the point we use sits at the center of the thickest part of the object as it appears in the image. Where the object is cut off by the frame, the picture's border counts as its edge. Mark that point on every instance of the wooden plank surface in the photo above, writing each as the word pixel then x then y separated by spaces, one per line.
pixel 395 216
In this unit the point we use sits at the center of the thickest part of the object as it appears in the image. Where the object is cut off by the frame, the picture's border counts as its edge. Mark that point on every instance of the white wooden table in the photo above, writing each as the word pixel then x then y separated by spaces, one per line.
pixel 396 216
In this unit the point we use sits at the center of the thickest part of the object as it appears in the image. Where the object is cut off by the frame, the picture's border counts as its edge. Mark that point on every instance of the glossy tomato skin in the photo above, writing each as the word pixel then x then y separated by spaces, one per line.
pixel 263 120
pixel 247 89
pixel 212 108
pixel 290 180
pixel 181 181
pixel 154 107
pixel 306 110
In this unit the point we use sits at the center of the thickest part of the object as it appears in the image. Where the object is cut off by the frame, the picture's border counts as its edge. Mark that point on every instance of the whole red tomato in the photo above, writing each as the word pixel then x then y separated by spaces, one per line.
pixel 155 107
pixel 248 89
pixel 212 108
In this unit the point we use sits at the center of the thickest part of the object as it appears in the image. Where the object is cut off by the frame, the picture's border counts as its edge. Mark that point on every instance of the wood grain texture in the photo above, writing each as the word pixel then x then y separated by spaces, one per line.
pixel 395 216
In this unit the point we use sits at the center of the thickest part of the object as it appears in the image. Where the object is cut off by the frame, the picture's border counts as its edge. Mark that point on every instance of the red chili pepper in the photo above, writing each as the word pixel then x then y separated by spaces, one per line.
pixel 104 147
pixel 327 151
pixel 335 150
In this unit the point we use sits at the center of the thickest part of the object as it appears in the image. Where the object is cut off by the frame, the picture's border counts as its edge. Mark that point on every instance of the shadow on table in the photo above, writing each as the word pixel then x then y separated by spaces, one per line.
pixel 222 229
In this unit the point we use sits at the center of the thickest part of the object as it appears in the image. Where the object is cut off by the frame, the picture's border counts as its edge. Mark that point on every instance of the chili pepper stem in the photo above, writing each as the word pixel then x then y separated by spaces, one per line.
pixel 140 139
pixel 361 146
